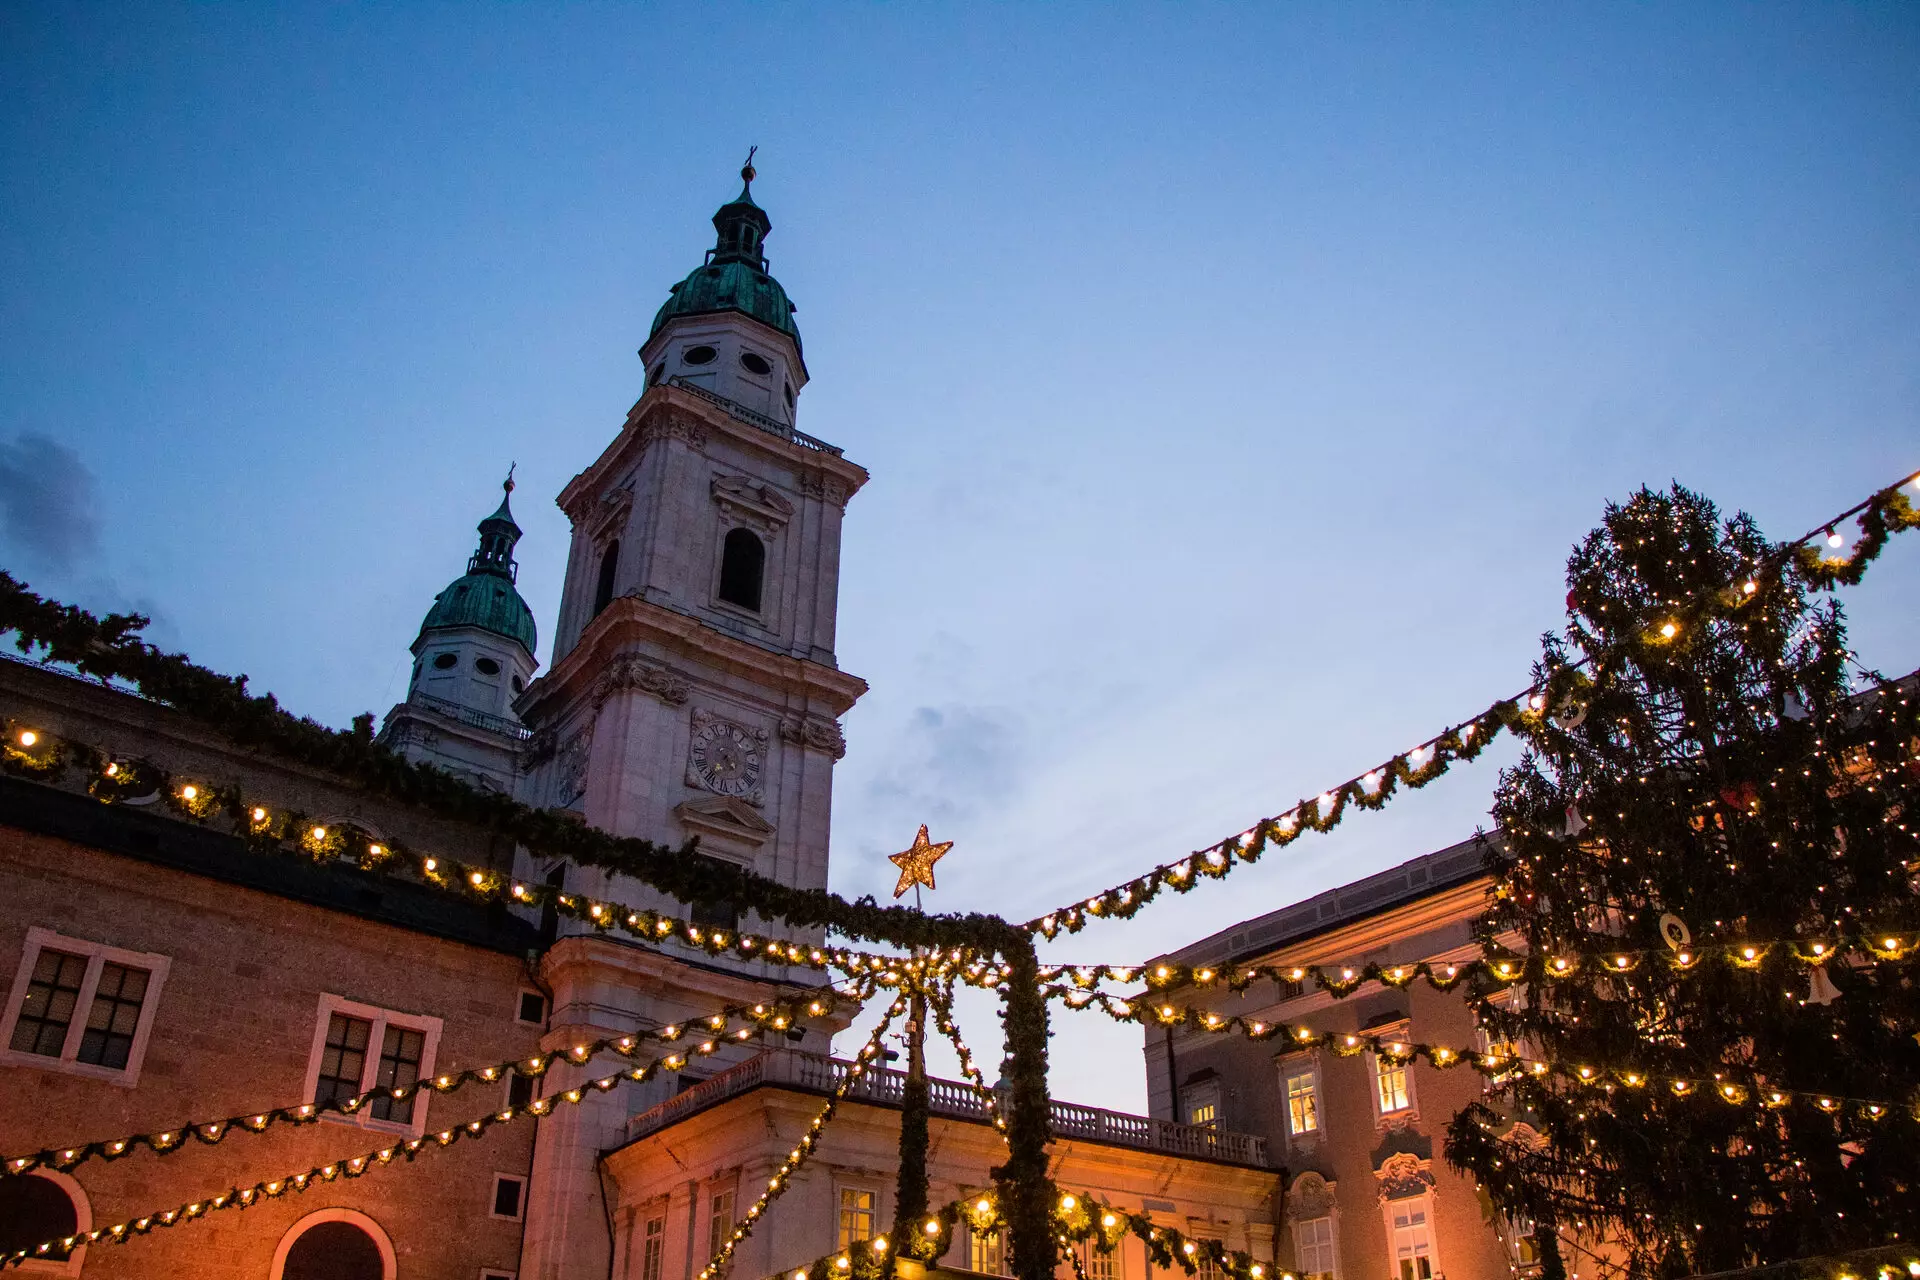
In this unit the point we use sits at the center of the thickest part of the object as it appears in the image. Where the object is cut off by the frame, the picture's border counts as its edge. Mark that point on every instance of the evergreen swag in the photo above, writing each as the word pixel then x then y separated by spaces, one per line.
pixel 1726 776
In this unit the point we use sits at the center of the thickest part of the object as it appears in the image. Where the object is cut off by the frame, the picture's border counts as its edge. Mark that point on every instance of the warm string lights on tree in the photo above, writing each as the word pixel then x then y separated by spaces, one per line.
pixel 869 1057
pixel 705 1036
pixel 1660 622
pixel 404 1152
pixel 1728 777
pixel 1730 1087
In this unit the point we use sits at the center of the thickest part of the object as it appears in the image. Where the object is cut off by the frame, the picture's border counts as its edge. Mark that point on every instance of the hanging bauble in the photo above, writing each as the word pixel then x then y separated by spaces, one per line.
pixel 1674 931
pixel 1570 715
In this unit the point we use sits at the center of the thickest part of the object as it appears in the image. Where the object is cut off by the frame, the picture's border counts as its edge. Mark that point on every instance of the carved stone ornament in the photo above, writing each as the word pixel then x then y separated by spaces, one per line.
pixel 610 513
pixel 631 672
pixel 1310 1196
pixel 725 758
pixel 826 488
pixel 570 774
pixel 669 424
pixel 759 505
pixel 1403 1175
pixel 725 817
pixel 538 749
pixel 816 732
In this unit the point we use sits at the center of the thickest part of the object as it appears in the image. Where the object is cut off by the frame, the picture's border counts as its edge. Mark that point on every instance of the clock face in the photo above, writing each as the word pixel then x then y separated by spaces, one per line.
pixel 726 759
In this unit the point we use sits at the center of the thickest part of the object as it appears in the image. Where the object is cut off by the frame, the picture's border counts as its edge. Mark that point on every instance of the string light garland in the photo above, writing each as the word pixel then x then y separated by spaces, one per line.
pixel 940 998
pixel 1881 515
pixel 1075 1218
pixel 1727 1087
pixel 111 648
pixel 1504 968
pixel 354 1167
pixel 708 1035
pixel 783 1176
pixel 268 829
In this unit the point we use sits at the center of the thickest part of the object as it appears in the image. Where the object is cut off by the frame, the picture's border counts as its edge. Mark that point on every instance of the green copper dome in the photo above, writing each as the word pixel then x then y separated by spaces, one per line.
pixel 485 596
pixel 734 276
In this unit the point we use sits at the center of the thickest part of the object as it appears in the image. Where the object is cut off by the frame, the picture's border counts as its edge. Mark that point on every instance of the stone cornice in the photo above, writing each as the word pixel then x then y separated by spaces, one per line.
pixel 668 412
pixel 632 630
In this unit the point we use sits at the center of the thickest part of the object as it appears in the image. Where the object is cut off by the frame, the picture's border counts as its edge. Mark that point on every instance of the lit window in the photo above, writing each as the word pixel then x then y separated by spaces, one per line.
pixel 987 1252
pixel 359 1048
pixel 1208 1268
pixel 1303 1102
pixel 1203 1104
pixel 1098 1265
pixel 81 1007
pixel 1521 1245
pixel 1313 1249
pixel 1412 1239
pixel 653 1248
pixel 1391 1077
pixel 719 1221
pixel 856 1216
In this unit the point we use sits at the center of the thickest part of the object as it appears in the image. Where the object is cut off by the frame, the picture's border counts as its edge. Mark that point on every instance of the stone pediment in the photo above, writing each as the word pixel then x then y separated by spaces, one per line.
pixel 724 816
pixel 756 504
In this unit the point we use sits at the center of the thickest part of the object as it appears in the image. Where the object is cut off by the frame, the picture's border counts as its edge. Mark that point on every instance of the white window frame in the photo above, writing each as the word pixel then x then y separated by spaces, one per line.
pixel 429 1027
pixel 716 1192
pixel 1205 1094
pixel 493 1197
pixel 98 956
pixel 1424 1202
pixel 82 1223
pixel 988 1245
pixel 1332 1243
pixel 653 1246
pixel 1392 1033
pixel 840 1190
pixel 1115 1261
pixel 1291 1069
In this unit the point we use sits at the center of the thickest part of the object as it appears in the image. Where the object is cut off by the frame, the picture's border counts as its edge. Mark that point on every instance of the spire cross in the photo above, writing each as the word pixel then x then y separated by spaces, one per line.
pixel 508 486
pixel 747 172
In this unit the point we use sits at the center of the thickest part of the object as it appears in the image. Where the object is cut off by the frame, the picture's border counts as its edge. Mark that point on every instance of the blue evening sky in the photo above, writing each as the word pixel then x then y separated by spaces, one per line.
pixel 1234 380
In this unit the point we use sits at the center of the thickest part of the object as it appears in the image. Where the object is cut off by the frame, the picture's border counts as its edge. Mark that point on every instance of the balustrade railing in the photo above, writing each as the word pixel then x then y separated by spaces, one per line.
pixel 478 719
pixel 886 1086
pixel 754 418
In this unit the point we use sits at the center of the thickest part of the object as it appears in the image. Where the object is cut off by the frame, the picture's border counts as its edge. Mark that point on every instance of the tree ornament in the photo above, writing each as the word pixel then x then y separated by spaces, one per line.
pixel 1575 823
pixel 916 863
pixel 1570 715
pixel 1674 932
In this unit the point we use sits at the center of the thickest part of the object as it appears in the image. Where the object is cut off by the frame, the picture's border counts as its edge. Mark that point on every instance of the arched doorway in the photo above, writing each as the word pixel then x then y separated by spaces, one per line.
pixel 334 1244
pixel 41 1206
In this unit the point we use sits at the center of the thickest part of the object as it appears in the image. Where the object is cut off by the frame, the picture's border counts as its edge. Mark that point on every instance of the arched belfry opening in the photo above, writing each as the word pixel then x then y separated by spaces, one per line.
pixel 743 563
pixel 609 566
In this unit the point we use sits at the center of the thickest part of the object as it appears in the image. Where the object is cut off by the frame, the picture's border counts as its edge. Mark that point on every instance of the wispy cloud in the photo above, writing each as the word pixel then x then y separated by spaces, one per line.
pixel 49 503
pixel 947 762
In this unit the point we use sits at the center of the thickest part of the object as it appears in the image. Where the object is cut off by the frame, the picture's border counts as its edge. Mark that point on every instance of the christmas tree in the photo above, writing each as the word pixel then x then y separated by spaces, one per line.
pixel 1704 855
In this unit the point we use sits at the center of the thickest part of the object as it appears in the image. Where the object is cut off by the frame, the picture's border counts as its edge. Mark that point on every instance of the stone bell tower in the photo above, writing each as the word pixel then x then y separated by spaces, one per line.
pixel 694 689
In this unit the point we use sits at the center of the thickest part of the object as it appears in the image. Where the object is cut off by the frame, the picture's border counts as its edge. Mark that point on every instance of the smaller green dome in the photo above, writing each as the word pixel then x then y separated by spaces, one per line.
pixel 485 596
pixel 487 601
pixel 734 276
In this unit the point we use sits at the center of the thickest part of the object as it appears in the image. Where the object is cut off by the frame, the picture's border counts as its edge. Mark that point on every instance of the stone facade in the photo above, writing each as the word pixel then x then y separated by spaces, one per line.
pixel 1369 1193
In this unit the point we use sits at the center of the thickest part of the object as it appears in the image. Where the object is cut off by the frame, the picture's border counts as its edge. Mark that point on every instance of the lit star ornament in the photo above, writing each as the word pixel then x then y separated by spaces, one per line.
pixel 916 864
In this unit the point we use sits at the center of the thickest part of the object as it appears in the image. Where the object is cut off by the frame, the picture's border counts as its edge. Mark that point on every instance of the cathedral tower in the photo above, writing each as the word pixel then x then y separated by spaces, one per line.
pixel 472 658
pixel 694 690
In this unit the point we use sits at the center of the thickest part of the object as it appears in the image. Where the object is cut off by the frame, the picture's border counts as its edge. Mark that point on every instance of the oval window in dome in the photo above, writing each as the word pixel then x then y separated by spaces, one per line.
pixel 699 355
pixel 755 363
pixel 445 660
pixel 486 666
